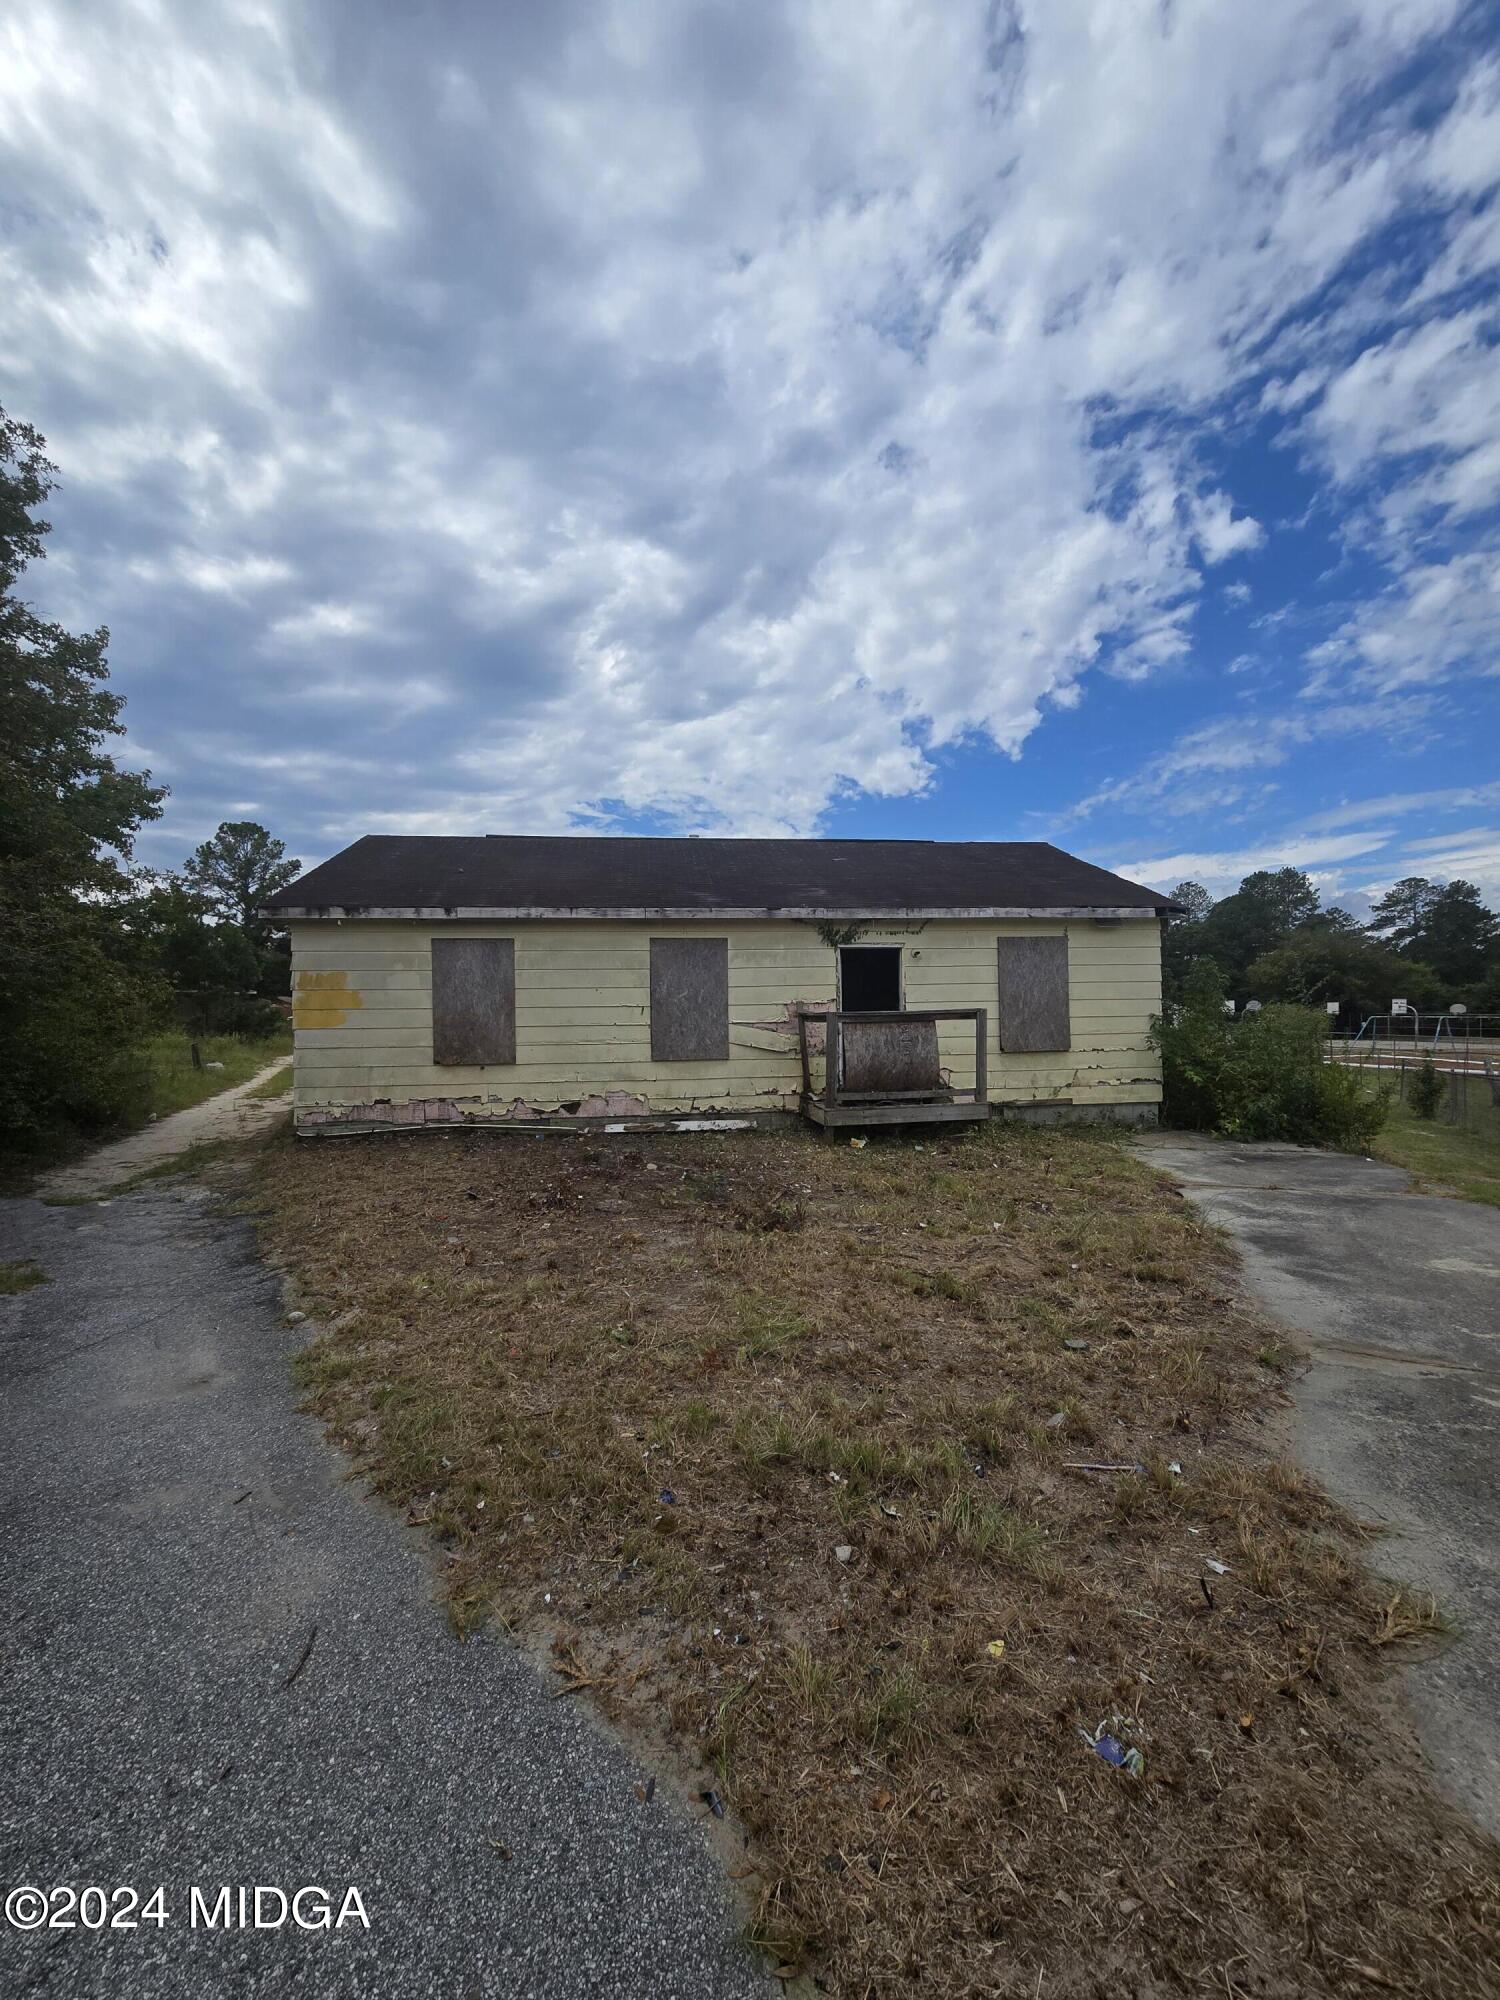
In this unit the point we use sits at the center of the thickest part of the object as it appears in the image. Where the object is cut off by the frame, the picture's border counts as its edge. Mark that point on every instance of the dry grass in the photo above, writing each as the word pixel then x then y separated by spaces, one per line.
pixel 772 1441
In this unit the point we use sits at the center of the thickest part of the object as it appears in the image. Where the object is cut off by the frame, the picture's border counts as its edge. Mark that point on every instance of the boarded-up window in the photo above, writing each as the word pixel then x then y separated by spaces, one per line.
pixel 473 1000
pixel 1034 995
pixel 689 999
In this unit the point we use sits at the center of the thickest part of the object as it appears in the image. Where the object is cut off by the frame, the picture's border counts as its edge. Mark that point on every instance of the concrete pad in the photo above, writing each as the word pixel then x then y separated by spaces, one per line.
pixel 1397 1297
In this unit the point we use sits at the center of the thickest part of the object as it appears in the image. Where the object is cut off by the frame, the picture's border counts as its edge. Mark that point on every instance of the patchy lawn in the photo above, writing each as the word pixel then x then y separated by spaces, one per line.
pixel 1449 1159
pixel 176 1084
pixel 849 1481
pixel 275 1086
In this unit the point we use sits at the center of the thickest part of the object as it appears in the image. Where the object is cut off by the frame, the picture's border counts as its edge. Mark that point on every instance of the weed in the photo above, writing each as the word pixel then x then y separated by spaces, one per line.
pixel 21 1275
pixel 1407 1616
pixel 767 1326
pixel 899 1709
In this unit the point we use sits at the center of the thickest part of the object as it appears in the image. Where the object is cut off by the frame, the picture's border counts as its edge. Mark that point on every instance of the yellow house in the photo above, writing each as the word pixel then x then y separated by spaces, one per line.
pixel 511 979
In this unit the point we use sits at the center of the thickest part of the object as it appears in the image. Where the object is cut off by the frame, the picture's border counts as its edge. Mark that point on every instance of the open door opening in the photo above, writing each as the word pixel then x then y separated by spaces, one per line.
pixel 870 979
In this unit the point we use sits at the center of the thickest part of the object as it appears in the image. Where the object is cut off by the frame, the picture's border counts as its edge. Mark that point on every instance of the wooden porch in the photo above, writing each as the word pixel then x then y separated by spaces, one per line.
pixel 884 1068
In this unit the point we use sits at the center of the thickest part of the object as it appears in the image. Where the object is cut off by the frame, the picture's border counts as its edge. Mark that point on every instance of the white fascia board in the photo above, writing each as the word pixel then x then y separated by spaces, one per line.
pixel 371 914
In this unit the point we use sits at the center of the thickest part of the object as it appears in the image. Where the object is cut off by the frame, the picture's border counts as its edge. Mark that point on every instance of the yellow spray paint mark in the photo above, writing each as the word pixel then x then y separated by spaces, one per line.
pixel 324 1000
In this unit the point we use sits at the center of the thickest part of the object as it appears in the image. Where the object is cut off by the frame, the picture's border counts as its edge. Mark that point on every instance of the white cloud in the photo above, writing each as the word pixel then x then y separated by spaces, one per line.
pixel 1471 857
pixel 711 411
pixel 1237 743
pixel 216 575
pixel 1219 533
pixel 1431 392
pixel 320 622
pixel 1442 620
pixel 1452 798
pixel 1222 872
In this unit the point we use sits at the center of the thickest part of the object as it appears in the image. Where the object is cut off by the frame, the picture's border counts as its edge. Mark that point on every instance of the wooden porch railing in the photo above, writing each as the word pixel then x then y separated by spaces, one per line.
pixel 833 1024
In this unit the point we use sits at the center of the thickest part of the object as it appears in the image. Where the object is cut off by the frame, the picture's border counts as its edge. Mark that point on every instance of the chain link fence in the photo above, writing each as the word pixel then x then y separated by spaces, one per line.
pixel 1471 1097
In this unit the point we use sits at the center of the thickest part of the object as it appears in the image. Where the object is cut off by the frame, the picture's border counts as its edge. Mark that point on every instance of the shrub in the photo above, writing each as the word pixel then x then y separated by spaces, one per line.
pixel 237 1014
pixel 1263 1076
pixel 1425 1092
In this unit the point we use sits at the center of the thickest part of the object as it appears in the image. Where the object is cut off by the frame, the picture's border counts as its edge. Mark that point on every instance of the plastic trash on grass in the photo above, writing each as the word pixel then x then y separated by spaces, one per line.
pixel 1104 1743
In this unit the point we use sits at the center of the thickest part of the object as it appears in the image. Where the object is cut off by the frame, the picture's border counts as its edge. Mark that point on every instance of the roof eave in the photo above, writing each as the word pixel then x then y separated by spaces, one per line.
pixel 496 913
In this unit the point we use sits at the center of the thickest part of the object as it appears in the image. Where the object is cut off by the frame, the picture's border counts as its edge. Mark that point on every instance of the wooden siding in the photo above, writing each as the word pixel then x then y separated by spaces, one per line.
pixel 583 1006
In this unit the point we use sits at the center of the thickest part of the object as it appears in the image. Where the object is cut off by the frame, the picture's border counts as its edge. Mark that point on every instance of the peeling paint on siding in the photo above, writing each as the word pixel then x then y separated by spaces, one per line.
pixel 582 1022
pixel 324 1000
pixel 613 1104
pixel 785 1023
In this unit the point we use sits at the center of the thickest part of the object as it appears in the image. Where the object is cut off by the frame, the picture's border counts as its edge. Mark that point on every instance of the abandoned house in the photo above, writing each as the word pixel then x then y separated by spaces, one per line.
pixel 514 979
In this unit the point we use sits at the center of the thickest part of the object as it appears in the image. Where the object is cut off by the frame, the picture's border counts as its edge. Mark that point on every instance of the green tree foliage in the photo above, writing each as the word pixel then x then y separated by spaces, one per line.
pixel 1425 1092
pixel 1322 962
pixel 1179 938
pixel 1244 926
pixel 212 967
pixel 1262 1076
pixel 1456 938
pixel 1486 994
pixel 1427 942
pixel 1193 900
pixel 1444 925
pixel 237 870
pixel 1401 913
pixel 74 1001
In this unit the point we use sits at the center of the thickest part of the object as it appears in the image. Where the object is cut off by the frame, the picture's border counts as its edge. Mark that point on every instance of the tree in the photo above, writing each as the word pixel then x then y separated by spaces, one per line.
pixel 211 966
pixel 1194 900
pixel 1263 1076
pixel 73 1004
pixel 1445 925
pixel 1427 1088
pixel 1334 918
pixel 1266 906
pixel 1179 937
pixel 1401 914
pixel 1322 962
pixel 1486 994
pixel 1457 934
pixel 237 871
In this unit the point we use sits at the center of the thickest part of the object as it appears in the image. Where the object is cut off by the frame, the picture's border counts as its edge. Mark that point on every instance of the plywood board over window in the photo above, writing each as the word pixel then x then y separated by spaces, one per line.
pixel 689 999
pixel 473 1000
pixel 1034 1014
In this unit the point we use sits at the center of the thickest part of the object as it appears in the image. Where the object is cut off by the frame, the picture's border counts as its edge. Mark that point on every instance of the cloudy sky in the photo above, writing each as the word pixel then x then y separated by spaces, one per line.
pixel 1071 419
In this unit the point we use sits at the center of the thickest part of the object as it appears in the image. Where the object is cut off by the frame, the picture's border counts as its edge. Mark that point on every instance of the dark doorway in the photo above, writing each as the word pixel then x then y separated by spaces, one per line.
pixel 870 979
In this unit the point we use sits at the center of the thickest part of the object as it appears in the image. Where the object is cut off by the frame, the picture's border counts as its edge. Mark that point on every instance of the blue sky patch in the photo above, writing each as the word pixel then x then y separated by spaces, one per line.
pixel 1067 421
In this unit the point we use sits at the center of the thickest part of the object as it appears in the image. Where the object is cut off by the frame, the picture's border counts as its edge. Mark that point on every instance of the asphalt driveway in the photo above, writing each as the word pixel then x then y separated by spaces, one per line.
pixel 1397 1298
pixel 222 1665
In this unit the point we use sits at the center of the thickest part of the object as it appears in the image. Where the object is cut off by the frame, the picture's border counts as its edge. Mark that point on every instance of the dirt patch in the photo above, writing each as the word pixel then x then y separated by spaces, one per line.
pixel 233 1117
pixel 877 1480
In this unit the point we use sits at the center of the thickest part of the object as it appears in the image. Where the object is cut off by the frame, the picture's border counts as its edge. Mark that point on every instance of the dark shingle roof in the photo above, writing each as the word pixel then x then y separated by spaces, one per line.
pixel 513 874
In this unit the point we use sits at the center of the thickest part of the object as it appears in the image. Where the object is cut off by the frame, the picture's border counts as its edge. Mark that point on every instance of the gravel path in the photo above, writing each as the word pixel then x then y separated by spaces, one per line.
pixel 233 1114
pixel 223 1665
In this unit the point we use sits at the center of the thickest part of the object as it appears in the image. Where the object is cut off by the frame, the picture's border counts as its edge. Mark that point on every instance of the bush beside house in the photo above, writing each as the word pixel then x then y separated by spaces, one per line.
pixel 1259 1076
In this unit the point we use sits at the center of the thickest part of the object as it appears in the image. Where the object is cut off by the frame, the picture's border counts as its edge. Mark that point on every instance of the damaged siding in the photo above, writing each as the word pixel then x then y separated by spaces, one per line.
pixel 583 1016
